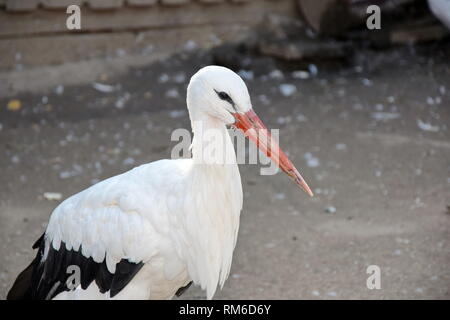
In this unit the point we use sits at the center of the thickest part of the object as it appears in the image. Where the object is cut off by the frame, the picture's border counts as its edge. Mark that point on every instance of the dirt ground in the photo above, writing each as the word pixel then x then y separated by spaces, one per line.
pixel 371 137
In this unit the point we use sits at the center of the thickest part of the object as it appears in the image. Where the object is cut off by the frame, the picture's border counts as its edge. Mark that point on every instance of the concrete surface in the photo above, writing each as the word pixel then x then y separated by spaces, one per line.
pixel 374 145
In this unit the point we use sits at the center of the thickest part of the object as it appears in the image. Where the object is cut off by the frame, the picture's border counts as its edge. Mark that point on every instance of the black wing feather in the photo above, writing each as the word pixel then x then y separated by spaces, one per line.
pixel 44 279
pixel 124 270
pixel 182 290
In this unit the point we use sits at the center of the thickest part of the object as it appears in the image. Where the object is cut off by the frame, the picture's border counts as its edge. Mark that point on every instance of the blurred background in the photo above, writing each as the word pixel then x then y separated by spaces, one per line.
pixel 363 113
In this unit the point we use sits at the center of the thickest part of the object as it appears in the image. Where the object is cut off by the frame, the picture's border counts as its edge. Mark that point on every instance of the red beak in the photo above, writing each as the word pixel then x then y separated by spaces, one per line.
pixel 253 128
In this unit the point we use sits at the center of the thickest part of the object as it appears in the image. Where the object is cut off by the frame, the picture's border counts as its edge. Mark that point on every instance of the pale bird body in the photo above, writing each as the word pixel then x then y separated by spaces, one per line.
pixel 148 232
pixel 441 9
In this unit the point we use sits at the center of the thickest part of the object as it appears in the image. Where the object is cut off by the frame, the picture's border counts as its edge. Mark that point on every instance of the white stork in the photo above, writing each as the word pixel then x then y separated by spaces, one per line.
pixel 150 232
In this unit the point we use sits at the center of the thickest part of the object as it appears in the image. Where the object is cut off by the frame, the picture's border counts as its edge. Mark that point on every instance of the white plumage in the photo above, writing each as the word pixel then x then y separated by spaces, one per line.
pixel 180 218
pixel 441 9
pixel 156 214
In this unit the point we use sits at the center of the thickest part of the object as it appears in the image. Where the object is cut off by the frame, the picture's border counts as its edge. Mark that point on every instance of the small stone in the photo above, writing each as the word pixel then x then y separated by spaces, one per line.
pixel 330 209
pixel 276 75
pixel 177 113
pixel 246 75
pixel 311 161
pixel 341 146
pixel 427 126
pixel 313 70
pixel 121 52
pixel 65 174
pixel 315 293
pixel 163 78
pixel 172 93
pixel 59 90
pixel 264 99
pixel 287 90
pixel 279 196
pixel 300 74
pixel 284 120
pixel 179 78
pixel 438 100
pixel 341 92
pixel 190 45
pixel 379 107
pixel 367 82
pixel 105 88
pixel 301 118
pixel 52 196
pixel 384 116
pixel 128 161
pixel 121 101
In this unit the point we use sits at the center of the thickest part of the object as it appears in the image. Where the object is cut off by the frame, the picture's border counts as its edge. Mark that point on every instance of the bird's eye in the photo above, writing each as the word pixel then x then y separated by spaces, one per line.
pixel 224 96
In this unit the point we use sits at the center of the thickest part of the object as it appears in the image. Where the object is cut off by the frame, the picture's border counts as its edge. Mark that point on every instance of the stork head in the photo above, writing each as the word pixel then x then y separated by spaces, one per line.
pixel 219 93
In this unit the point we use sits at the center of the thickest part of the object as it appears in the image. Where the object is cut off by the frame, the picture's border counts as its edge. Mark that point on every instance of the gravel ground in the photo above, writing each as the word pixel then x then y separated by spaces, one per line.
pixel 371 138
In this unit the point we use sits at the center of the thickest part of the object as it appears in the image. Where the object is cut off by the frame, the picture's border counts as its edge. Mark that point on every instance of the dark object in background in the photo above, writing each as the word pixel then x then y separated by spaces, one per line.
pixel 402 21
pixel 242 57
pixel 334 17
pixel 334 31
pixel 291 39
